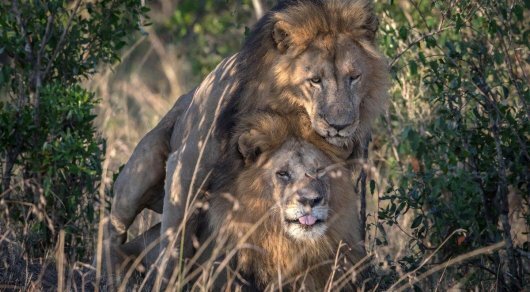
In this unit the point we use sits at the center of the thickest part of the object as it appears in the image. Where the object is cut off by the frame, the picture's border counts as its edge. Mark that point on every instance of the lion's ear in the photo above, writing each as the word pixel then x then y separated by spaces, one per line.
pixel 280 35
pixel 249 145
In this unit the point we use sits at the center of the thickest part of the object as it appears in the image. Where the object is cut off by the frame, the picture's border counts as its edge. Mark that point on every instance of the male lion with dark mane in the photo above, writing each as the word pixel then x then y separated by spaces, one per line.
pixel 284 209
pixel 316 57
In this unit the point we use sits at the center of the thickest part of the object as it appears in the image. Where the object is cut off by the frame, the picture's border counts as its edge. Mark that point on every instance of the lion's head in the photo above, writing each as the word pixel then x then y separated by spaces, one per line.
pixel 333 80
pixel 320 57
pixel 293 180
pixel 286 196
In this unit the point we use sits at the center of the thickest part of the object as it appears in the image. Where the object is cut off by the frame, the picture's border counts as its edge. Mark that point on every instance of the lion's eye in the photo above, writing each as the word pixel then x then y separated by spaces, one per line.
pixel 315 80
pixel 283 174
pixel 355 78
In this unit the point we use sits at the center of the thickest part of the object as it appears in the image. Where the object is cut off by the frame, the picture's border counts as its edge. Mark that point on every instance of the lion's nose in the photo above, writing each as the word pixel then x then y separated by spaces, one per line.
pixel 339 115
pixel 310 200
pixel 337 123
pixel 339 127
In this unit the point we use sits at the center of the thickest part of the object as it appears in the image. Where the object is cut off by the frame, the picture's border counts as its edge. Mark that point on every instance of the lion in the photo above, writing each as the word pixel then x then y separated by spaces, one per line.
pixel 287 206
pixel 292 204
pixel 316 57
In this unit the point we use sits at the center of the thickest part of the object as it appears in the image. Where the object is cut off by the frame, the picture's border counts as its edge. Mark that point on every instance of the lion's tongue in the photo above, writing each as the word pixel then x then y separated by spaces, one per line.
pixel 307 220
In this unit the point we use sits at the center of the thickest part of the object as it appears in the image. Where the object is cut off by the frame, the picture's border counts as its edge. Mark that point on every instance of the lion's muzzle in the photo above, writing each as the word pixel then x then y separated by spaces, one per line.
pixel 338 133
pixel 306 215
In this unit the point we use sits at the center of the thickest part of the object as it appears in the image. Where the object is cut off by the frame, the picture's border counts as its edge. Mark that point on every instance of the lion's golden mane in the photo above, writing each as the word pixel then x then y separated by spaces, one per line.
pixel 272 250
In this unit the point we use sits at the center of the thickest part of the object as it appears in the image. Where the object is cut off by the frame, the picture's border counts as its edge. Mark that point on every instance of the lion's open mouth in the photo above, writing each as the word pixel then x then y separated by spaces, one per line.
pixel 307 221
pixel 307 227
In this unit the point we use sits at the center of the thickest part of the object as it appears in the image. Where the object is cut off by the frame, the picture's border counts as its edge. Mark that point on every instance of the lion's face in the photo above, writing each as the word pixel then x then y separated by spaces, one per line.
pixel 330 79
pixel 286 194
pixel 299 190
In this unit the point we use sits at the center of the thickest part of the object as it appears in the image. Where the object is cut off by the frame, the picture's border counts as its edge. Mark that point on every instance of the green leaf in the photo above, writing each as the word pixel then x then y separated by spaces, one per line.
pixel 422 58
pixel 430 41
pixel 518 11
pixel 403 32
pixel 417 221
pixel 459 23
pixel 492 27
pixel 413 67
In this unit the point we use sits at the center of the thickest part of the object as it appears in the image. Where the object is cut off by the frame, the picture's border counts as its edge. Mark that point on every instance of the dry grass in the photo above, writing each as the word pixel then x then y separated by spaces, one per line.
pixel 134 95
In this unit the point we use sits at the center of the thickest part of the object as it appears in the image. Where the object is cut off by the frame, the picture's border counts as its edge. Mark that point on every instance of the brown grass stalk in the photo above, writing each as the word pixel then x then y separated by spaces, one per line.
pixel 426 260
pixel 451 262
pixel 60 260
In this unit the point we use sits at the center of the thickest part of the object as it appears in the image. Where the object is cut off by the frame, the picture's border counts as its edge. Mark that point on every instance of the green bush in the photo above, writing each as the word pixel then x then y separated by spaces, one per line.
pixel 461 114
pixel 50 152
pixel 207 31
pixel 62 164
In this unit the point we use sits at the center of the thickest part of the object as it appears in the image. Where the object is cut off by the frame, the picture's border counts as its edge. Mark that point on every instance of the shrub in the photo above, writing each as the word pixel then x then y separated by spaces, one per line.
pixel 460 117
pixel 50 152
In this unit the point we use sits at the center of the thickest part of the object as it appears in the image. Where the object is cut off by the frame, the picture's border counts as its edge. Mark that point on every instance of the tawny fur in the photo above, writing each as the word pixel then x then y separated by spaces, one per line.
pixel 240 196
pixel 319 24
pixel 267 74
pixel 273 252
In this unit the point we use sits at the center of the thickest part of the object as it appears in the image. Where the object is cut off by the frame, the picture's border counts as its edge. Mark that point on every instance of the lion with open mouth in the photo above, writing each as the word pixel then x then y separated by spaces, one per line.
pixel 292 204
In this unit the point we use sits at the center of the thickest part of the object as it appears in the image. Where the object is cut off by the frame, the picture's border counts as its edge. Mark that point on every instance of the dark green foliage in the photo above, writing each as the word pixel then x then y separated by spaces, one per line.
pixel 207 31
pixel 467 67
pixel 50 152
pixel 61 165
